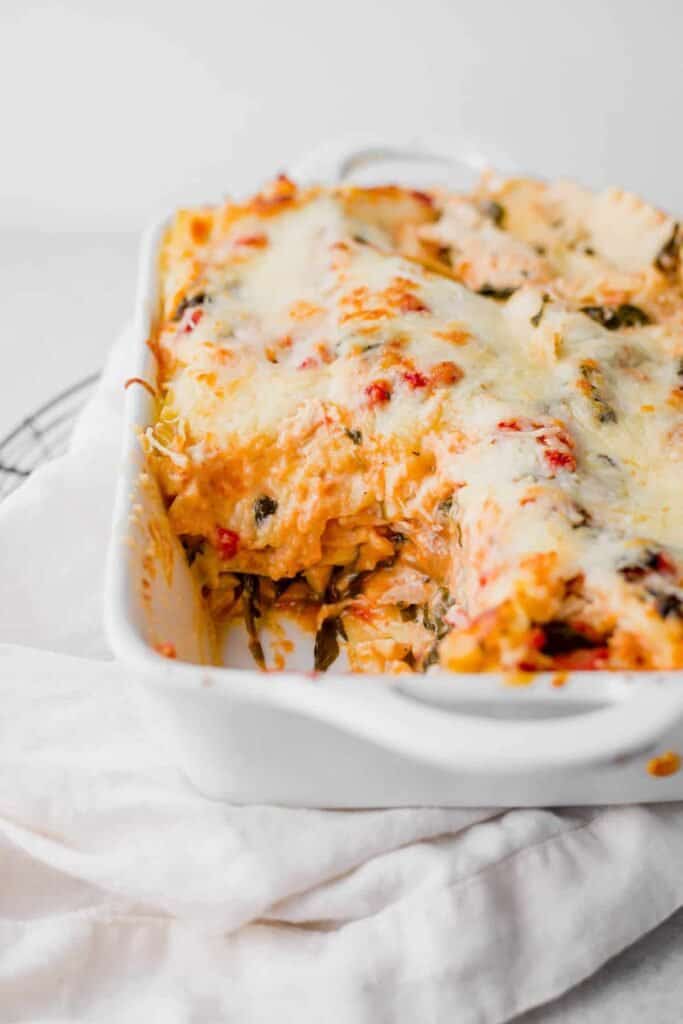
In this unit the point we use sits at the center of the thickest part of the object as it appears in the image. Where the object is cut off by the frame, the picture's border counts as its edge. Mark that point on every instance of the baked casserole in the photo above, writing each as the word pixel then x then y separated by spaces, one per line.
pixel 434 428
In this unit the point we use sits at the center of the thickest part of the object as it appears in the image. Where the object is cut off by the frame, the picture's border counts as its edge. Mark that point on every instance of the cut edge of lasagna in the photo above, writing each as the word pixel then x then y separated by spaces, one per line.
pixel 436 428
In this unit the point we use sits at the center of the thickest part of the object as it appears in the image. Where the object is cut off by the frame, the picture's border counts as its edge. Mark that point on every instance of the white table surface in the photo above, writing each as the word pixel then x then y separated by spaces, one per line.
pixel 64 297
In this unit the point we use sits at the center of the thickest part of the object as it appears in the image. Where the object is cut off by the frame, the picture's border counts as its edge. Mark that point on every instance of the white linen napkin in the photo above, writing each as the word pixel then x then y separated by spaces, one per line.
pixel 128 897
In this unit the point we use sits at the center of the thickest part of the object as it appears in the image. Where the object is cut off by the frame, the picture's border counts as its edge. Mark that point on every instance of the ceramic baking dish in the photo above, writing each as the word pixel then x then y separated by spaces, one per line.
pixel 340 740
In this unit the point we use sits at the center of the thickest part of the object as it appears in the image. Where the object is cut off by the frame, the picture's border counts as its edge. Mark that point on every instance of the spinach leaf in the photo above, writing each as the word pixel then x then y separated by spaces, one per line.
pixel 326 649
pixel 615 317
pixel 489 292
pixel 493 210
pixel 252 611
pixel 187 303
pixel 561 638
pixel 669 256
pixel 264 506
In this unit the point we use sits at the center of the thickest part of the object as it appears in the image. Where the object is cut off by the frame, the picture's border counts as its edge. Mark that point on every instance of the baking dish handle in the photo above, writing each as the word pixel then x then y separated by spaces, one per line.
pixel 393 713
pixel 615 733
pixel 420 161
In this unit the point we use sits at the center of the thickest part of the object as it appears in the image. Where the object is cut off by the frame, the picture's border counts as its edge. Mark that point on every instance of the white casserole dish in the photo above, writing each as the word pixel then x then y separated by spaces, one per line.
pixel 348 741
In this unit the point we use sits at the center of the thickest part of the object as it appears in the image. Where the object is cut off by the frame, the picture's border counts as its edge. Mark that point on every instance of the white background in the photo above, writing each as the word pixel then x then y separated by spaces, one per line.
pixel 112 111
pixel 112 108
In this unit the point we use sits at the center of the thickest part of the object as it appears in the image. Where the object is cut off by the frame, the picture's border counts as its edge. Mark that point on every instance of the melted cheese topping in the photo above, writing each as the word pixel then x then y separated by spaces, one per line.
pixel 449 424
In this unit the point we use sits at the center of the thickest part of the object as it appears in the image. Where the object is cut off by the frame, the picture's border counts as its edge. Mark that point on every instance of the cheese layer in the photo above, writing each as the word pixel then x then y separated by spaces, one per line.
pixel 442 427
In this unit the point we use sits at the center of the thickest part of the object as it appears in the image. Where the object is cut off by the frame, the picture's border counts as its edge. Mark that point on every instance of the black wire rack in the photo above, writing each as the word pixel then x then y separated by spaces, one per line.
pixel 41 436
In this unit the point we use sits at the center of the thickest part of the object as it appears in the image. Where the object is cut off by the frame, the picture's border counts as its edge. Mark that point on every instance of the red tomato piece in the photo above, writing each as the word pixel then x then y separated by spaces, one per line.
pixel 193 319
pixel 378 392
pixel 560 460
pixel 227 542
pixel 415 379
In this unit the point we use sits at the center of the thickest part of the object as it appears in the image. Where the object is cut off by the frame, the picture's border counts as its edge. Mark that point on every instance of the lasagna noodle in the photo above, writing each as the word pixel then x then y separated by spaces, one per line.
pixel 442 428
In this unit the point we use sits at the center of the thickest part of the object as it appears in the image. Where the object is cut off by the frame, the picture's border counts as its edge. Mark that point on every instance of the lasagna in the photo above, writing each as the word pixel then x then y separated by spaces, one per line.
pixel 436 428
